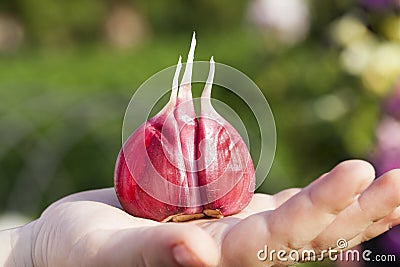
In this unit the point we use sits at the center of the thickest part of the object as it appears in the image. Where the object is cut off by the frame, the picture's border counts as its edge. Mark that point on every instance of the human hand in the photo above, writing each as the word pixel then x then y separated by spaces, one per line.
pixel 91 229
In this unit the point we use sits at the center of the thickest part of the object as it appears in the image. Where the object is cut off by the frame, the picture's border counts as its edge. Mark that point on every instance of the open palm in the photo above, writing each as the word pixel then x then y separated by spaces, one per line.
pixel 91 229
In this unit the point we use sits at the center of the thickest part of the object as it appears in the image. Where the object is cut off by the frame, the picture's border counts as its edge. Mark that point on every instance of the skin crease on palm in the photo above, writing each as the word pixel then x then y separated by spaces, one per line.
pixel 90 228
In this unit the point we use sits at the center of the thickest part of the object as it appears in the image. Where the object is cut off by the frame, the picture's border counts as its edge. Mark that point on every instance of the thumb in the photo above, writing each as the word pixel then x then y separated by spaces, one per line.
pixel 163 245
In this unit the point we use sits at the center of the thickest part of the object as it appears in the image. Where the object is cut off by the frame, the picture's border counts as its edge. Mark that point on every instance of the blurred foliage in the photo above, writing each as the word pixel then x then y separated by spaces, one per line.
pixel 65 84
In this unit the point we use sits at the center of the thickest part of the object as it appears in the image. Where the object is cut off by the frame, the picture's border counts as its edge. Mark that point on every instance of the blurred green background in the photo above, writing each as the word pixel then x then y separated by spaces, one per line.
pixel 69 68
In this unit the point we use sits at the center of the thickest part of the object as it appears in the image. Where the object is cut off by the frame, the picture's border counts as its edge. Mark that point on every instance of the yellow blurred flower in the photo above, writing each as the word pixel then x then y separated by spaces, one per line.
pixel 348 29
pixel 364 54
pixel 391 28
pixel 383 68
pixel 357 55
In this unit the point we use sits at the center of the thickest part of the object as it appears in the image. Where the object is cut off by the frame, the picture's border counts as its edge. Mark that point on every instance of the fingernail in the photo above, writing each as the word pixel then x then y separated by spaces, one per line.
pixel 184 257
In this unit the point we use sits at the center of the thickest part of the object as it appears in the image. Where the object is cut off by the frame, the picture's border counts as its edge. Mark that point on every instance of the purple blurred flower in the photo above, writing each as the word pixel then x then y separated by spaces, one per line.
pixel 392 104
pixel 387 153
pixel 390 242
pixel 387 157
pixel 387 161
pixel 379 5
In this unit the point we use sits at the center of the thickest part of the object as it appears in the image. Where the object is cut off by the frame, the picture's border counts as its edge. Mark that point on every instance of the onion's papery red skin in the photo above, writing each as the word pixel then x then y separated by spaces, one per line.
pixel 226 168
pixel 132 197
pixel 232 171
pixel 188 126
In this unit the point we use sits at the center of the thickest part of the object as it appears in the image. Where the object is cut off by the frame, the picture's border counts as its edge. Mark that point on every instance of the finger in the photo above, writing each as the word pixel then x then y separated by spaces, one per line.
pixel 381 226
pixel 304 216
pixel 260 202
pixel 370 211
pixel 164 245
pixel 377 228
pixel 300 218
pixel 263 202
pixel 284 195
